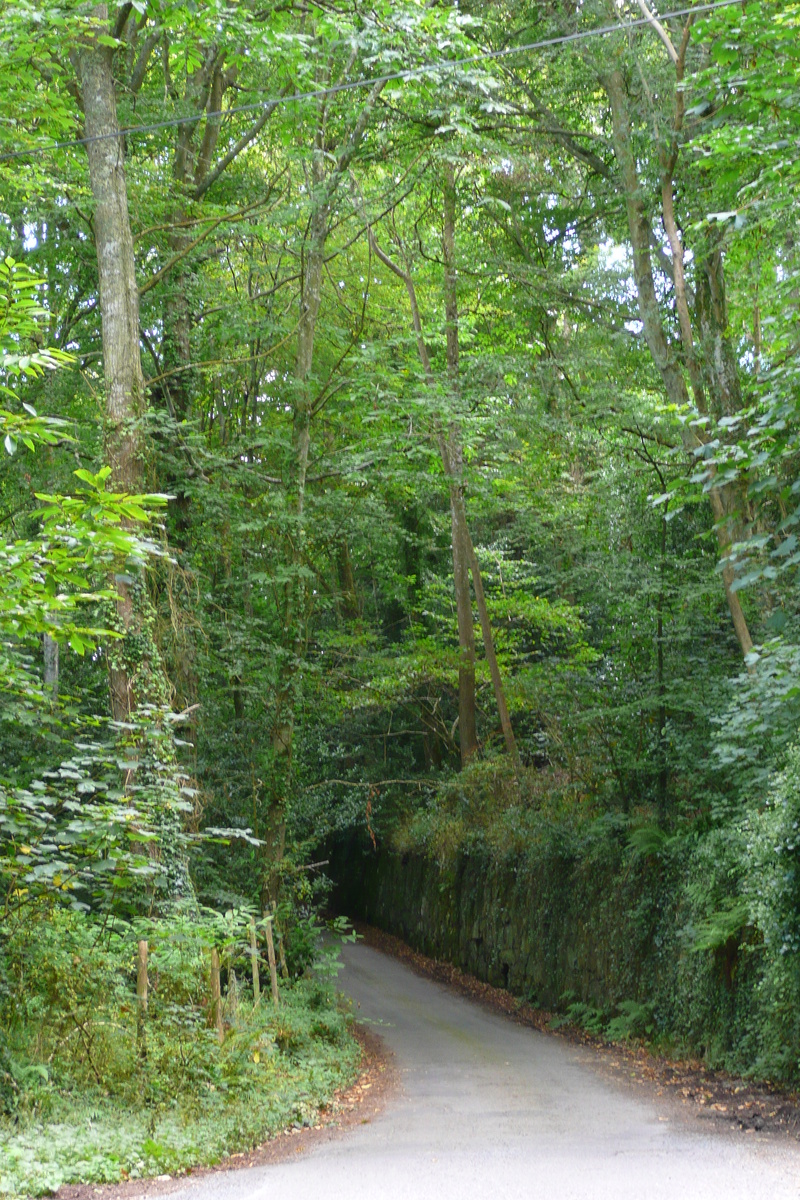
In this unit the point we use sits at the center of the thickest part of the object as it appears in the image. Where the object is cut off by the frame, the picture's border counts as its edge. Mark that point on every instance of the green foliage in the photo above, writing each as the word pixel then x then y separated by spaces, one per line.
pixel 634 1020
pixel 72 829
pixel 21 328
pixel 753 734
pixel 586 1016
pixel 82 539
pixel 289 565
pixel 79 833
pixel 772 892
pixel 70 1015
pixel 722 928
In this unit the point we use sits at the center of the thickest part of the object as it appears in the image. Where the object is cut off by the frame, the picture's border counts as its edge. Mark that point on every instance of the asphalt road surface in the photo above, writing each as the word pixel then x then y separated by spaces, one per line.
pixel 489 1110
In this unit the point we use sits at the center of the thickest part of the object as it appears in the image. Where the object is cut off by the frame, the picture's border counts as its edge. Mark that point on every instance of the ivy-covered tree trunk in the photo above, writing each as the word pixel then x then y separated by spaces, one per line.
pixel 139 689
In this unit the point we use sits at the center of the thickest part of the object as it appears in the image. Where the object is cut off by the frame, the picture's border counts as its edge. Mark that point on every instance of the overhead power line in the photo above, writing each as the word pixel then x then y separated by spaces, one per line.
pixel 404 75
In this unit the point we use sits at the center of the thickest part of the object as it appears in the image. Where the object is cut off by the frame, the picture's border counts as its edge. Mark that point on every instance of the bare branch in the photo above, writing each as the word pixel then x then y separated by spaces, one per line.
pixel 176 258
pixel 221 362
pixel 660 30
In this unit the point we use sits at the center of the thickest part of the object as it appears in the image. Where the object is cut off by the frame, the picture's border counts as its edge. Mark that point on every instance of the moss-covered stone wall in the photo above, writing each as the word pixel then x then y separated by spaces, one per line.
pixel 540 931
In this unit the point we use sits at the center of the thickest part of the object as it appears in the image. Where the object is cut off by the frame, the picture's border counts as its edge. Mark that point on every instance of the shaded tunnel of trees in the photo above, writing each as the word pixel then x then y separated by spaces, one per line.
pixel 411 457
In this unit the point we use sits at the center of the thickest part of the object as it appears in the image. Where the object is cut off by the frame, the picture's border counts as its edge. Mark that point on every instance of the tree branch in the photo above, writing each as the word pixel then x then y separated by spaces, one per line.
pixel 176 258
pixel 660 30
pixel 140 66
pixel 221 362
pixel 122 20
pixel 244 141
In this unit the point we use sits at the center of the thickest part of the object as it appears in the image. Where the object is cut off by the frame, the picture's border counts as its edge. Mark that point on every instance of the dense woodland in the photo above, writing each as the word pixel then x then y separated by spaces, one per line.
pixel 400 418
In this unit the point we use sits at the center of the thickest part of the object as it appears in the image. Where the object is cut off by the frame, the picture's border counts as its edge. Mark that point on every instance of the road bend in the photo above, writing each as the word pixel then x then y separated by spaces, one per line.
pixel 489 1109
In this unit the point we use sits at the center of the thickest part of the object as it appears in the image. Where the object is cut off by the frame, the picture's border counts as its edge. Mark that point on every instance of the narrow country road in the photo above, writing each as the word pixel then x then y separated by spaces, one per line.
pixel 488 1109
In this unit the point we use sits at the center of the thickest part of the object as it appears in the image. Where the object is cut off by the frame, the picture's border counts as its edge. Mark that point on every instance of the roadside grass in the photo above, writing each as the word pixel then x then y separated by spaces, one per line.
pixel 94 1090
pixel 288 1063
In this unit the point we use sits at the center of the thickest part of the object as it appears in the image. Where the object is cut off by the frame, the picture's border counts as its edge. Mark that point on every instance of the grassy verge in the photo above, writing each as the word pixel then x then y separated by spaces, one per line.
pixel 83 1104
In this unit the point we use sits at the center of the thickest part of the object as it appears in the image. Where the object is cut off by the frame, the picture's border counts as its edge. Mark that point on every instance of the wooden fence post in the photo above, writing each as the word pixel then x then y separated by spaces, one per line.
pixel 254 961
pixel 233 995
pixel 141 1002
pixel 216 995
pixel 281 950
pixel 273 972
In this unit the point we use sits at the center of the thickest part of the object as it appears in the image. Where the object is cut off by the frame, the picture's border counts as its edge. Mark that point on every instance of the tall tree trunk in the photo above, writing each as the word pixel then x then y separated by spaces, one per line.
pixel 661 683
pixel 136 676
pixel 282 737
pixel 119 303
pixel 467 725
pixel 661 351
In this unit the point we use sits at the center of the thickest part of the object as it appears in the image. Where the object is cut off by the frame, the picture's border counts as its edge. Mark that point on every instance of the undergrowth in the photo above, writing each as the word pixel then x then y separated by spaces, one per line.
pixel 87 1099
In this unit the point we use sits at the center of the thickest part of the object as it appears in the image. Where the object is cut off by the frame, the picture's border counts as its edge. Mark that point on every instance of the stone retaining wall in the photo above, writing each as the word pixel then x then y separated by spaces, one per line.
pixel 544 930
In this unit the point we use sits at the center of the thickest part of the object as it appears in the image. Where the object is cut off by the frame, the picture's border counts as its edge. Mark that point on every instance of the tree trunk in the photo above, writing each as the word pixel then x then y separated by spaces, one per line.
pixel 719 356
pixel 119 304
pixel 661 683
pixel 176 356
pixel 467 725
pixel 662 353
pixel 137 680
pixel 494 667
pixel 294 611
pixel 347 586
